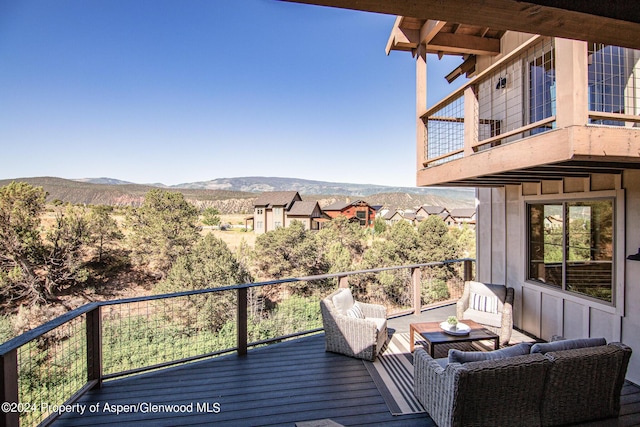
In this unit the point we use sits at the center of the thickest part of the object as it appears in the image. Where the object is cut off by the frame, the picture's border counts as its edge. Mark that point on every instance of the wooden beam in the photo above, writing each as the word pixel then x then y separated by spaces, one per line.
pixel 462 43
pixel 620 25
pixel 402 38
pixel 429 30
pixel 467 66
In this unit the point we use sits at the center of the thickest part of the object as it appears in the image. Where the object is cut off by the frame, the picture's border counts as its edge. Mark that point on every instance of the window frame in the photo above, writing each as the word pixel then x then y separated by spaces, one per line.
pixel 617 197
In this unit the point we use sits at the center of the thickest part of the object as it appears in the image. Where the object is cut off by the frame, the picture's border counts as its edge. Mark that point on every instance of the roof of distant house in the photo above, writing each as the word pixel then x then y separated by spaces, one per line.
pixel 276 198
pixel 463 213
pixel 391 214
pixel 301 208
pixel 433 210
pixel 336 206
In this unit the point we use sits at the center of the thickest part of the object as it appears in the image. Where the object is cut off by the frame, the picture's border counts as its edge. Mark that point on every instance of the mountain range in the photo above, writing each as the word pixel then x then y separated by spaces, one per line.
pixel 236 195
pixel 259 184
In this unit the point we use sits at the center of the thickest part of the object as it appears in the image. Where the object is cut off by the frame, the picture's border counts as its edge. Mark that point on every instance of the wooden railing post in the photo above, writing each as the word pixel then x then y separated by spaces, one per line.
pixel 242 321
pixel 416 282
pixel 9 388
pixel 343 281
pixel 471 118
pixel 94 346
pixel 468 270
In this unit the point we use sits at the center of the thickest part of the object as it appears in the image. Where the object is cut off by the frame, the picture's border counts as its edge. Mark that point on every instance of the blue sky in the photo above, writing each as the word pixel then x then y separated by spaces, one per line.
pixel 178 91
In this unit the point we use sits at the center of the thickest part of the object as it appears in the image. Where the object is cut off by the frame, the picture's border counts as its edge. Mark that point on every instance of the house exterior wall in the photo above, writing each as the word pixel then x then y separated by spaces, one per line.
pixel 508 43
pixel 259 220
pixel 545 311
pixel 268 219
pixel 351 211
pixel 306 221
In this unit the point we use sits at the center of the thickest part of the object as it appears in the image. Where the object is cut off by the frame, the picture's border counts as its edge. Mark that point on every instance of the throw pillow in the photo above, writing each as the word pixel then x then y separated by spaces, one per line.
pixel 458 356
pixel 355 311
pixel 343 300
pixel 567 345
pixel 483 303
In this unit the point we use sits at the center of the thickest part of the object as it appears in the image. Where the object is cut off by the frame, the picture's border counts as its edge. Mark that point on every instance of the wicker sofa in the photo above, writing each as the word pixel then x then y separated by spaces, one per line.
pixel 536 389
pixel 359 331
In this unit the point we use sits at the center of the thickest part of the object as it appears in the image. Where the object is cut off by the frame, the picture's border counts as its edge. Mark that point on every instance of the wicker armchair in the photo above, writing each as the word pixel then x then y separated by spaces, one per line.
pixel 475 304
pixel 358 332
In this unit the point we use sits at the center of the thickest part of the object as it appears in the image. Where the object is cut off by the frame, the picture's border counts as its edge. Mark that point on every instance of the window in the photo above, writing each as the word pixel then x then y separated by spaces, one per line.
pixel 259 211
pixel 362 217
pixel 571 246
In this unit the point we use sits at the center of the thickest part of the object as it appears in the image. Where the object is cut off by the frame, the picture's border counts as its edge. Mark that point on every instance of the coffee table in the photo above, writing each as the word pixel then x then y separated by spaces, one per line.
pixel 434 335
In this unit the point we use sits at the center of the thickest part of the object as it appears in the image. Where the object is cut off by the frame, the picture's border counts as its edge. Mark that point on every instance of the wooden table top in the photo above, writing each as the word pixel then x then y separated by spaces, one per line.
pixel 432 332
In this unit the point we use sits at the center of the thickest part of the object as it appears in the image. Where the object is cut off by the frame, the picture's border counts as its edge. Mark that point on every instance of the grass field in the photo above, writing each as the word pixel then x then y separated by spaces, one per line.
pixel 233 236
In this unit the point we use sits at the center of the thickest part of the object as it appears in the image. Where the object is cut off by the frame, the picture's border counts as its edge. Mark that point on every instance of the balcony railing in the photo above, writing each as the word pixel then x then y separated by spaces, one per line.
pixel 515 98
pixel 53 365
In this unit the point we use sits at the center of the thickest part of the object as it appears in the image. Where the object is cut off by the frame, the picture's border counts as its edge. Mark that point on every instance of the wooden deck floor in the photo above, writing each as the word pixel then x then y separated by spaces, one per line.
pixel 278 385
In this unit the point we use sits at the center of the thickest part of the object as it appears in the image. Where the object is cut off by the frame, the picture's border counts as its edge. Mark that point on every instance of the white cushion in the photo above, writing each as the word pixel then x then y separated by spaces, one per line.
pixel 343 300
pixel 381 323
pixel 490 319
pixel 355 311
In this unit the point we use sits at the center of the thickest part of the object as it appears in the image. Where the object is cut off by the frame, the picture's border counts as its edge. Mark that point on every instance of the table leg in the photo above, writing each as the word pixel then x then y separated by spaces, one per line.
pixel 496 343
pixel 432 349
pixel 411 341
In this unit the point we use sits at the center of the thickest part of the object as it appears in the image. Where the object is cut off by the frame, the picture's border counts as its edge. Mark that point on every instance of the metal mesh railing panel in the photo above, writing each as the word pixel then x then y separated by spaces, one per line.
pixel 391 288
pixel 140 334
pixel 613 82
pixel 445 131
pixel 441 284
pixel 282 310
pixel 518 93
pixel 51 368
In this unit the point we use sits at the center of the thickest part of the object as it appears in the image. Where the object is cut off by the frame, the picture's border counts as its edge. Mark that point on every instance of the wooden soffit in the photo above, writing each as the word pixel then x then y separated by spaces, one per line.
pixel 614 22
pixel 443 38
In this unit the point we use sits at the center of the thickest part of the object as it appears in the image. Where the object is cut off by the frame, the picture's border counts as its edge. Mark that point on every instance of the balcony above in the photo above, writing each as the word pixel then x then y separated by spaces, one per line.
pixel 547 110
pixel 574 152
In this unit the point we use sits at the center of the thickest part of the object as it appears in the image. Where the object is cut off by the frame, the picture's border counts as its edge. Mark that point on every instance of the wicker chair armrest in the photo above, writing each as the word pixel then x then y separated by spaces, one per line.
pixel 357 328
pixel 463 303
pixel 434 386
pixel 373 310
pixel 507 309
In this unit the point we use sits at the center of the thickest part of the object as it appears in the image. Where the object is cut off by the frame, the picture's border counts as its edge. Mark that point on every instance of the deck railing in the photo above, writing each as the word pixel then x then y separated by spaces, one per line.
pixel 45 369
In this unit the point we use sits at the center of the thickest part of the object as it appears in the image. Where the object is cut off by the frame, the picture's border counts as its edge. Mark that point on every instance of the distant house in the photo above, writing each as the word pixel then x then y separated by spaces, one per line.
pixel 464 216
pixel 392 216
pixel 309 213
pixel 425 212
pixel 358 210
pixel 395 216
pixel 276 209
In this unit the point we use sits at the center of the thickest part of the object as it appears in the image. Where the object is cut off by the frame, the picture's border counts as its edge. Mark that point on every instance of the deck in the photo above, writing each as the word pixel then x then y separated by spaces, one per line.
pixel 279 385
